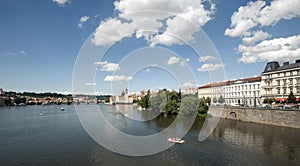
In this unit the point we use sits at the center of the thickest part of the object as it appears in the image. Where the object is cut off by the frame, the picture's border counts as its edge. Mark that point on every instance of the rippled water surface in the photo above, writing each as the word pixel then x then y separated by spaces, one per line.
pixel 57 138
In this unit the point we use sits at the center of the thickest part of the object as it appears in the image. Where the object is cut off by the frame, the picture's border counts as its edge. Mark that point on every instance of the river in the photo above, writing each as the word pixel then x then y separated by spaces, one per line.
pixel 58 138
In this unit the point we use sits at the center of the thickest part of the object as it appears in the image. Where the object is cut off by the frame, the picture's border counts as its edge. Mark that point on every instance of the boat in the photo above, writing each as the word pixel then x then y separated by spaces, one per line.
pixel 62 109
pixel 41 114
pixel 176 140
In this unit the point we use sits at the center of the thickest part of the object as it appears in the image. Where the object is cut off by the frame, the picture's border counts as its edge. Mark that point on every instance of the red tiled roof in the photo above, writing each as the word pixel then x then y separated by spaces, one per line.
pixel 251 79
pixel 215 84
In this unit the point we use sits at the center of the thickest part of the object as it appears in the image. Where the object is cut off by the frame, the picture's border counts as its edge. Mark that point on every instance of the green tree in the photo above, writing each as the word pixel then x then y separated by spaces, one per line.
pixel 171 107
pixel 215 100
pixel 158 102
pixel 203 108
pixel 291 98
pixel 189 105
pixel 221 99
pixel 208 100
pixel 145 102
pixel 269 100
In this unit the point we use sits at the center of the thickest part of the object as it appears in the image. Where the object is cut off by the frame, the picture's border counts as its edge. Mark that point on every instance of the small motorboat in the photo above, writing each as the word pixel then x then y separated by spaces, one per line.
pixel 176 140
pixel 62 109
pixel 41 114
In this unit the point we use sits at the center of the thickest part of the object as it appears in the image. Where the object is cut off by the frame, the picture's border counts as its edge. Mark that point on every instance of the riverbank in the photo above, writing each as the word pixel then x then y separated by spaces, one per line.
pixel 285 118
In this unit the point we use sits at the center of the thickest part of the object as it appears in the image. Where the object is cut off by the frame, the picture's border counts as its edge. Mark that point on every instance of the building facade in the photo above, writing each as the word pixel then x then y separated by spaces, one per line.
pixel 213 90
pixel 243 91
pixel 279 81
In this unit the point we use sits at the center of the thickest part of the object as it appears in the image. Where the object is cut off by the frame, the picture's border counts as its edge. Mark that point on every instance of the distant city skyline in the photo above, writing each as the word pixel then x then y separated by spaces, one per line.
pixel 40 41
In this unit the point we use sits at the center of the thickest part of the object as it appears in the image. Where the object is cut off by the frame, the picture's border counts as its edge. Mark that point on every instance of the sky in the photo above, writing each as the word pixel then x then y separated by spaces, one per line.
pixel 41 42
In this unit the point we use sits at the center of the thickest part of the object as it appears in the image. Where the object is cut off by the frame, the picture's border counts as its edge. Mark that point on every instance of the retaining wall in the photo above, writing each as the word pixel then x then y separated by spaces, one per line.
pixel 285 118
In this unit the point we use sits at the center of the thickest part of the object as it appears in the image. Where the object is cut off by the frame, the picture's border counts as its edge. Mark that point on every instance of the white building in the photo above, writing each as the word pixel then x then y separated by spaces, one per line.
pixel 279 81
pixel 190 91
pixel 243 91
pixel 213 90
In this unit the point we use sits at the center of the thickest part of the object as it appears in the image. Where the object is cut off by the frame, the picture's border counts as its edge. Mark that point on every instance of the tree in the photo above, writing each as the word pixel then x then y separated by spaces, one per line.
pixel 171 107
pixel 189 105
pixel 221 99
pixel 158 102
pixel 269 100
pixel 145 102
pixel 203 108
pixel 208 100
pixel 291 98
pixel 215 100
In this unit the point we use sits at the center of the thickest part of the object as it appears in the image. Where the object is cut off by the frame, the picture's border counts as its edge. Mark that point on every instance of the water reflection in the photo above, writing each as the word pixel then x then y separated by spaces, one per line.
pixel 278 141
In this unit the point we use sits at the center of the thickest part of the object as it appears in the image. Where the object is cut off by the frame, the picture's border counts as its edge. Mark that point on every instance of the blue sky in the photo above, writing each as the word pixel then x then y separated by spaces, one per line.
pixel 40 40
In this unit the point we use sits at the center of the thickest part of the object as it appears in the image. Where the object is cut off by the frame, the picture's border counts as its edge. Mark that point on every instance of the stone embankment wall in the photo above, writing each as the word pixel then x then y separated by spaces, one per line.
pixel 287 118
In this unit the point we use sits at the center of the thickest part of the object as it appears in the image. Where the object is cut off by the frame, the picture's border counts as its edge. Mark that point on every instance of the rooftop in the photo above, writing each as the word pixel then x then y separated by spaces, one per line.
pixel 251 79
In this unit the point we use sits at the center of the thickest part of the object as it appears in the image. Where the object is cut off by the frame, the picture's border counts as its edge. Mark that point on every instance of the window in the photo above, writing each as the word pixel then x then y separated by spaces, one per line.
pixel 278 82
pixel 291 81
pixel 284 74
pixel 291 89
pixel 291 73
pixel 284 90
pixel 298 89
pixel 278 90
pixel 284 82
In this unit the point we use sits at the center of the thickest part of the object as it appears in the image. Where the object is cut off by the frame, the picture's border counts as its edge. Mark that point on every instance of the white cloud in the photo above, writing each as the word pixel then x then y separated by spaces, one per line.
pixel 278 10
pixel 256 36
pixel 90 84
pixel 111 78
pixel 278 49
pixel 210 67
pixel 244 19
pixel 111 31
pixel 257 45
pixel 184 61
pixel 18 53
pixel 82 20
pixel 61 2
pixel 173 60
pixel 105 66
pixel 206 58
pixel 148 25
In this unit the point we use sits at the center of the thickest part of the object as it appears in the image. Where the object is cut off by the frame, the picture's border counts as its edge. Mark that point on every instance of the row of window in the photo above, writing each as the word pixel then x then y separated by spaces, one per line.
pixel 241 101
pixel 285 82
pixel 242 87
pixel 242 94
pixel 285 74
pixel 284 90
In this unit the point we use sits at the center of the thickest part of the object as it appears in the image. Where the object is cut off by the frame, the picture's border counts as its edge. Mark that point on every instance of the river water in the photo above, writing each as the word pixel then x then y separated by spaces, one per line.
pixel 58 138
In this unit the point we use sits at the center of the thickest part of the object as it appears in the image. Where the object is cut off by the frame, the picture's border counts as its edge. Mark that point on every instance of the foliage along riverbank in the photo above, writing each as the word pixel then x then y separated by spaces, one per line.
pixel 172 103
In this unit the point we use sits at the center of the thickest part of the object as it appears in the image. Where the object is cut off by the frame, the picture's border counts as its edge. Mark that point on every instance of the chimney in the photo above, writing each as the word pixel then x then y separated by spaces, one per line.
pixel 298 61
pixel 286 63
